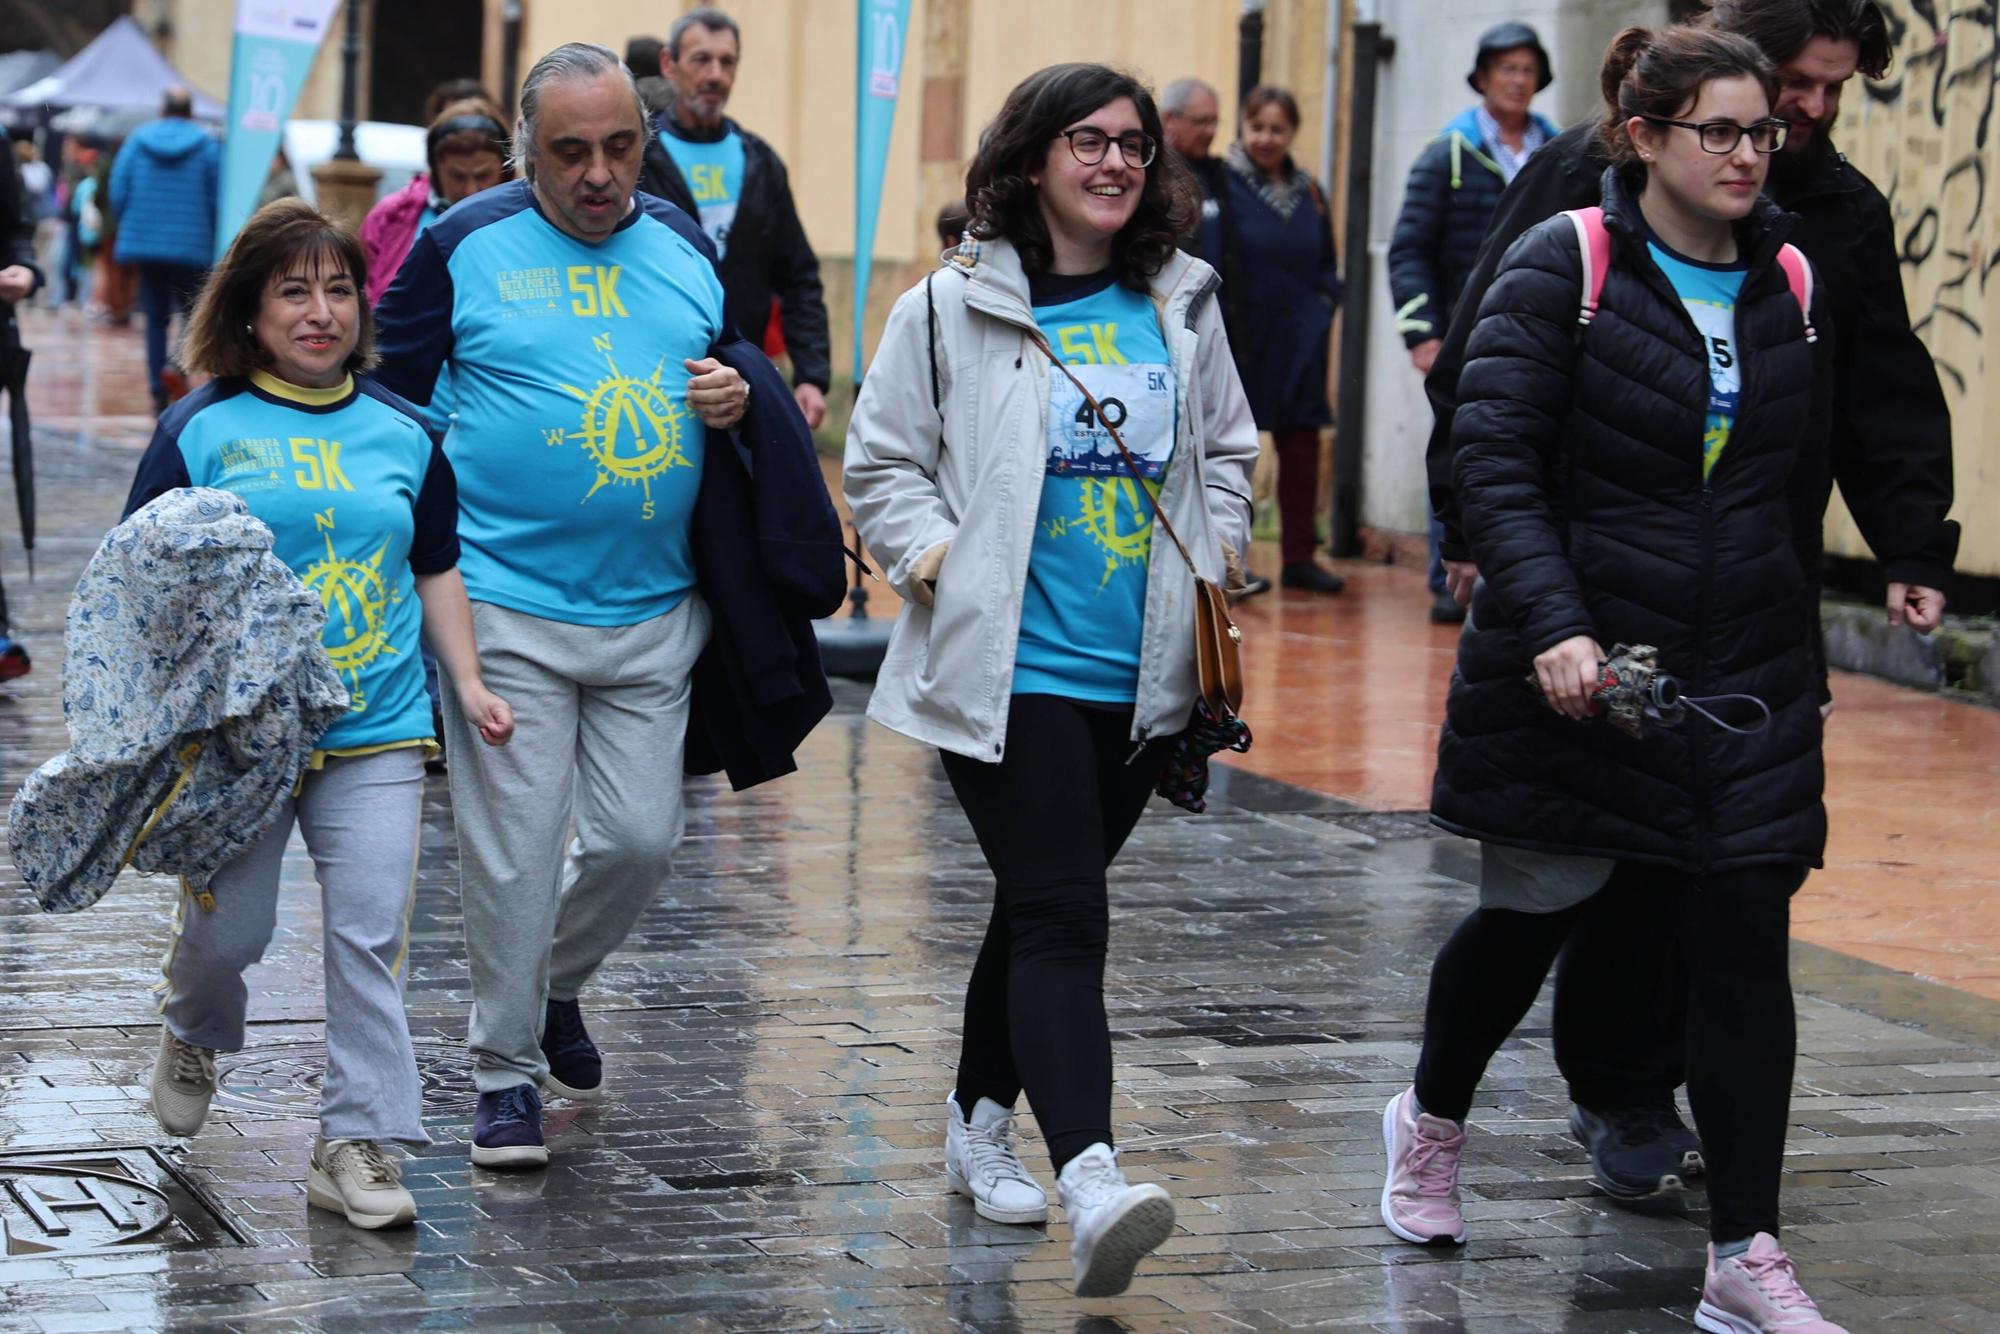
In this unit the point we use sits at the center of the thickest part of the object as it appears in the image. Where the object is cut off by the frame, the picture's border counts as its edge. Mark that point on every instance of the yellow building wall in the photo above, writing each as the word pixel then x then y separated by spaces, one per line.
pixel 1923 135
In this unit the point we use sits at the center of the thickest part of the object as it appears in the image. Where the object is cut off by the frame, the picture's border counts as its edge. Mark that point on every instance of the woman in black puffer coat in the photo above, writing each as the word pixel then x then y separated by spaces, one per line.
pixel 1646 479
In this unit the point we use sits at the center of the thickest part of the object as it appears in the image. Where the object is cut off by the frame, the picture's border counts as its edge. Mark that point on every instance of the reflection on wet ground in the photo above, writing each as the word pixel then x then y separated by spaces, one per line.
pixel 780 1034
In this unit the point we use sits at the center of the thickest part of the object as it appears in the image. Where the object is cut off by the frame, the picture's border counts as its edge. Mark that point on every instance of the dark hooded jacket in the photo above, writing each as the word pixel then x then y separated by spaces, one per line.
pixel 1577 461
pixel 1454 186
pixel 768 255
pixel 1890 447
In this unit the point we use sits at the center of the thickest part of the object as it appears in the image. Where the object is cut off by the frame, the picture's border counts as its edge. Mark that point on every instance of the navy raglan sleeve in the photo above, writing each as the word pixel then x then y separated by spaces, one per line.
pixel 435 548
pixel 162 468
pixel 413 323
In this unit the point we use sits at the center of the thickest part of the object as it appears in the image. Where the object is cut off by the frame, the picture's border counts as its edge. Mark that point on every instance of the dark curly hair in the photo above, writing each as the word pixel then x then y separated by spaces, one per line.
pixel 1781 28
pixel 1003 202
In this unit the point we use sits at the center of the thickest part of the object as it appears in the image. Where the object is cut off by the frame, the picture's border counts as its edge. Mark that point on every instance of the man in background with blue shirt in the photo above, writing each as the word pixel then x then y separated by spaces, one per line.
pixel 576 319
pixel 735 183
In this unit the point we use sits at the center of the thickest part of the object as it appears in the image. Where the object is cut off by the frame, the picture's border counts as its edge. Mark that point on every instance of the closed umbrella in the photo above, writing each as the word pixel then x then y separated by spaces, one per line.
pixel 14 380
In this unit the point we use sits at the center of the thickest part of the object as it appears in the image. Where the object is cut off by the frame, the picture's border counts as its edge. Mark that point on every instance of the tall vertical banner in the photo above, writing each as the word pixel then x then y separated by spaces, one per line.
pixel 276 41
pixel 878 77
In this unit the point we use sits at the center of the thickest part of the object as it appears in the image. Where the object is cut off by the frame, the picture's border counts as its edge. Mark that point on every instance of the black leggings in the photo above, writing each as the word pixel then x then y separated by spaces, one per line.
pixel 1734 930
pixel 1049 817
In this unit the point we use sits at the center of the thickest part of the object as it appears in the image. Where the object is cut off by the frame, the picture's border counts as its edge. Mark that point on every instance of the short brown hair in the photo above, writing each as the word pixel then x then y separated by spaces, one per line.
pixel 220 340
pixel 1658 73
pixel 469 125
pixel 1270 95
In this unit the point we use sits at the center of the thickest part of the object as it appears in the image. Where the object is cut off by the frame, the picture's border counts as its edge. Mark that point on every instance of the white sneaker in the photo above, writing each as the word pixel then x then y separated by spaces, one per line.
pixel 183 1083
pixel 980 1162
pixel 1113 1224
pixel 354 1177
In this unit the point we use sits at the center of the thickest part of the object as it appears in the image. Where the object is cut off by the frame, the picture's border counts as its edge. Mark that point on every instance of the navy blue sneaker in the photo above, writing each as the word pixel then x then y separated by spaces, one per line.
pixel 507 1129
pixel 1637 1152
pixel 575 1069
pixel 13 658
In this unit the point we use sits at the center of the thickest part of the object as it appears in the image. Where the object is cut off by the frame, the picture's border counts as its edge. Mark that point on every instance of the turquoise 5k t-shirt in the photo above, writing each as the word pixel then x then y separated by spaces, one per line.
pixel 358 498
pixel 1085 605
pixel 1709 292
pixel 577 455
pixel 714 176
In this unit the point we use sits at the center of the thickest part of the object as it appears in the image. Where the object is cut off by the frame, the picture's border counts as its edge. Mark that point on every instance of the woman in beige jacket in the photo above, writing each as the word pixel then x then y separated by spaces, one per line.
pixel 1047 648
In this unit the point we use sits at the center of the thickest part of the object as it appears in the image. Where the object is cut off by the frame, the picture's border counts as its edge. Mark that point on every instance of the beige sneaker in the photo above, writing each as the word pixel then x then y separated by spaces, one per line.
pixel 183 1082
pixel 354 1177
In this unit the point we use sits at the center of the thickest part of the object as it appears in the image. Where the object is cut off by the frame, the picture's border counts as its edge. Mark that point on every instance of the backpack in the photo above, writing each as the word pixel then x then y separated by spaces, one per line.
pixel 1594 240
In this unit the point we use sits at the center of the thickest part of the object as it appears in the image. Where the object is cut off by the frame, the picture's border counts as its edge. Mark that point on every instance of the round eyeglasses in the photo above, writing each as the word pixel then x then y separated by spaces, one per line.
pixel 1089 145
pixel 1722 136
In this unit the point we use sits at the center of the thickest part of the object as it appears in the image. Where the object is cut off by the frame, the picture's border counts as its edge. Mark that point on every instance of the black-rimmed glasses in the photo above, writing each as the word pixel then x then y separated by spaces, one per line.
pixel 1722 136
pixel 1089 145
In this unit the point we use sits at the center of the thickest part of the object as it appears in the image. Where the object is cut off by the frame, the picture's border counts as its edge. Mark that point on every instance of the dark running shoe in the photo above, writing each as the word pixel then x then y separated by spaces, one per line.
pixel 1309 576
pixel 575 1068
pixel 507 1129
pixel 1445 610
pixel 13 659
pixel 1637 1152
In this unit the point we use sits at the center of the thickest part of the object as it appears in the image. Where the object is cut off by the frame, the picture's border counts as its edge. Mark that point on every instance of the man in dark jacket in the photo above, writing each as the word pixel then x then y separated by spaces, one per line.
pixel 19 277
pixel 733 181
pixel 1189 114
pixel 164 185
pixel 1453 189
pixel 1890 451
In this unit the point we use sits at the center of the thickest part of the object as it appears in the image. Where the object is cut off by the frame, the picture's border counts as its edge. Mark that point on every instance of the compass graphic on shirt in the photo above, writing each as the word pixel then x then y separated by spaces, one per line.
pixel 1118 519
pixel 357 600
pixel 631 429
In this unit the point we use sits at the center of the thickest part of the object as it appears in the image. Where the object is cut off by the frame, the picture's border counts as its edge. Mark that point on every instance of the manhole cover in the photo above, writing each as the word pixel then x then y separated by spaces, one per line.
pixel 283 1079
pixel 103 1199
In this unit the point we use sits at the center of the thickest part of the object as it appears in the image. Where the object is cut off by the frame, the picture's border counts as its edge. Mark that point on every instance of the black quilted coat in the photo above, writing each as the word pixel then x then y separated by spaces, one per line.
pixel 1578 466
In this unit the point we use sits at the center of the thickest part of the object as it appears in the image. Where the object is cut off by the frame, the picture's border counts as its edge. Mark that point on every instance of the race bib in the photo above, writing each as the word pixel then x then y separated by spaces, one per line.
pixel 1717 326
pixel 1136 399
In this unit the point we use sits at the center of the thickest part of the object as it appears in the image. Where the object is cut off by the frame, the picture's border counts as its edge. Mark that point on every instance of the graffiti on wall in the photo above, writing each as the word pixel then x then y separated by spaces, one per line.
pixel 1926 134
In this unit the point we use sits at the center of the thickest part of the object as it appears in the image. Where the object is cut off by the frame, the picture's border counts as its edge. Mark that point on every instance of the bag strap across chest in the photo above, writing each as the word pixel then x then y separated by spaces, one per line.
pixel 1593 240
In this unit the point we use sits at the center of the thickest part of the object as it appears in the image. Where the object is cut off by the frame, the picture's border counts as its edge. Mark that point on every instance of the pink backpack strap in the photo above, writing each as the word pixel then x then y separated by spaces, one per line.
pixel 1594 242
pixel 1799 277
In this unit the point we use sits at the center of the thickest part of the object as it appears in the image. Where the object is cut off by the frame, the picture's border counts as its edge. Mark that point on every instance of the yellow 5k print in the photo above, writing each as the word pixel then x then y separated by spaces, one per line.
pixel 595 290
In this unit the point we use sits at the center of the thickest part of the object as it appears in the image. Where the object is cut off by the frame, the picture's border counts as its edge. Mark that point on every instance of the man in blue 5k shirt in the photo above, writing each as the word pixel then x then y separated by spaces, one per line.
pixel 576 319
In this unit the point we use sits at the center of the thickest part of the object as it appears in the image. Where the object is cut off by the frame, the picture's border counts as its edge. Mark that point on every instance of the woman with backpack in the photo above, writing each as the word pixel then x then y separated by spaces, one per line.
pixel 1640 424
pixel 1047 643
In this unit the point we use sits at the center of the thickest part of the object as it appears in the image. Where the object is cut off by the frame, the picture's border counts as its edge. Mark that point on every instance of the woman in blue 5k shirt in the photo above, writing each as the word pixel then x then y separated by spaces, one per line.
pixel 362 506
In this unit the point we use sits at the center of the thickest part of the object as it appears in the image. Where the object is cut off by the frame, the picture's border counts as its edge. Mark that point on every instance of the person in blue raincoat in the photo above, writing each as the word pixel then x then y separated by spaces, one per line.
pixel 1283 265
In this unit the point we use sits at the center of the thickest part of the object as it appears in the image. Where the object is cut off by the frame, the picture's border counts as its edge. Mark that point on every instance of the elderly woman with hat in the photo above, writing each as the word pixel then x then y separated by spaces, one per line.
pixel 1449 200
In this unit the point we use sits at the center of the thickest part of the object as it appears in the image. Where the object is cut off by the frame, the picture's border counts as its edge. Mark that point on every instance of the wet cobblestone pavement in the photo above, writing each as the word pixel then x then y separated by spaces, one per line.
pixel 779 1035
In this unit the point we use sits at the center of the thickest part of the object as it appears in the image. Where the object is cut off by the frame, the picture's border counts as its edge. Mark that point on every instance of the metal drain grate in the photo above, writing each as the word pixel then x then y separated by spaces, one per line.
pixel 104 1199
pixel 283 1079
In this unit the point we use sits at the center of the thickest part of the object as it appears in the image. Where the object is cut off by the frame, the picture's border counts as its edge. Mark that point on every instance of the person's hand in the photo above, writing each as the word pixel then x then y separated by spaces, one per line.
pixel 1425 354
pixel 1826 711
pixel 718 395
pixel 1459 577
pixel 493 716
pixel 1920 608
pixel 16 281
pixel 1568 673
pixel 812 403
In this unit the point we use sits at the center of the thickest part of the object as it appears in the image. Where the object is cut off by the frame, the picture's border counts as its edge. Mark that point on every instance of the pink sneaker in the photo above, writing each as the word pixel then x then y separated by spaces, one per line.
pixel 1758 1292
pixel 1420 1198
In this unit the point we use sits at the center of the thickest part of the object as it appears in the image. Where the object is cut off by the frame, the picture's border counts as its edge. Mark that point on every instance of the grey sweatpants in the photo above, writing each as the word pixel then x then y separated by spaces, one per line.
pixel 361 817
pixel 600 726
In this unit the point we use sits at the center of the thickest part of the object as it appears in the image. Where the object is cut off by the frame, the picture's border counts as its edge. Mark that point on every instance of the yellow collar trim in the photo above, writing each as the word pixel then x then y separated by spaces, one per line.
pixel 298 393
